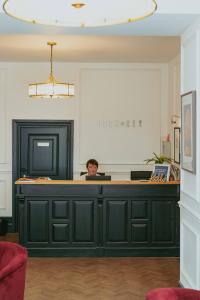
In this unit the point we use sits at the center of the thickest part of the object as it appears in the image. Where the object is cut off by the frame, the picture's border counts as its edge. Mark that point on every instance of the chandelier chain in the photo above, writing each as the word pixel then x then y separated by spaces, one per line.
pixel 51 60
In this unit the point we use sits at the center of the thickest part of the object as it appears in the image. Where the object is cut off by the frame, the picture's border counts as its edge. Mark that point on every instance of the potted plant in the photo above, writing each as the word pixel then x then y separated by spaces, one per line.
pixel 156 159
pixel 161 159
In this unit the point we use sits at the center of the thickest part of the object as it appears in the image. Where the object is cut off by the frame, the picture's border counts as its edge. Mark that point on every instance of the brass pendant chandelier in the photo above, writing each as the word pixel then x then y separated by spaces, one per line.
pixel 51 88
pixel 87 13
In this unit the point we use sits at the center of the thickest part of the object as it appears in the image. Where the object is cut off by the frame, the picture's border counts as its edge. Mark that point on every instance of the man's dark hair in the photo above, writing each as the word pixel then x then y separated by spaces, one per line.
pixel 92 162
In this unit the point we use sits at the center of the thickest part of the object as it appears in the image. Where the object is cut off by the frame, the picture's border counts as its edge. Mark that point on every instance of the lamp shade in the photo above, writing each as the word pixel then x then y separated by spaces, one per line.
pixel 51 90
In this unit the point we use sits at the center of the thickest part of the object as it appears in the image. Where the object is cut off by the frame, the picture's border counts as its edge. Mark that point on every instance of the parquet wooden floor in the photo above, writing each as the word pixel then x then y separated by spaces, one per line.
pixel 98 278
pixel 10 237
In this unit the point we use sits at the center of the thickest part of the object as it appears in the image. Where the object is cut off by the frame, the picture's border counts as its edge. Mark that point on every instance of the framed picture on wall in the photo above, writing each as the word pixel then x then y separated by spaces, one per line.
pixel 177 145
pixel 188 131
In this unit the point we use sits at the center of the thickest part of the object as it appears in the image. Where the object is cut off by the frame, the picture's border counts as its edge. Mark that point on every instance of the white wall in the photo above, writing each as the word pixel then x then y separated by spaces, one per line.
pixel 109 99
pixel 190 187
pixel 121 113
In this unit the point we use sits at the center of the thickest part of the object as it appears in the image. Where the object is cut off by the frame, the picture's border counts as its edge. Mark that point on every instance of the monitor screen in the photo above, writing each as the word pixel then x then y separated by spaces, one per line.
pixel 102 177
pixel 138 175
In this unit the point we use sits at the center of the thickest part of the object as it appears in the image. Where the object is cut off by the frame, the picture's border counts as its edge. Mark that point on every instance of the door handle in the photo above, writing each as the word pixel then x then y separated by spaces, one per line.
pixel 23 172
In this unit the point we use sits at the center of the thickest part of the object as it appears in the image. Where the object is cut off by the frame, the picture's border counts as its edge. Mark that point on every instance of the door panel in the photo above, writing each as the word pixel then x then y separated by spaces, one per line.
pixel 60 209
pixel 38 221
pixel 116 221
pixel 43 155
pixel 163 221
pixel 83 221
pixel 44 152
pixel 139 209
pixel 139 233
pixel 60 233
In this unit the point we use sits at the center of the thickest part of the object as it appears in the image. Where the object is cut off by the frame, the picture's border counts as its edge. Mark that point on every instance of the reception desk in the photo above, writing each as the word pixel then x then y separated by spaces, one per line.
pixel 93 218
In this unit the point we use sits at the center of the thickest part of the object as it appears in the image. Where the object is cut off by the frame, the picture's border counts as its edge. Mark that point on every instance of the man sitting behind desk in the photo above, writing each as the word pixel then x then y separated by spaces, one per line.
pixel 92 167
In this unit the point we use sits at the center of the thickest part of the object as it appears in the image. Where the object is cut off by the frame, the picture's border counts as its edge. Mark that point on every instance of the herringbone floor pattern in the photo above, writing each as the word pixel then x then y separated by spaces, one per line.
pixel 98 278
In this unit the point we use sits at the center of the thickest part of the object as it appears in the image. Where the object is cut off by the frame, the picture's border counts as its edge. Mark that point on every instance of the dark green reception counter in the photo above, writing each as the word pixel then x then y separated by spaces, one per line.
pixel 92 218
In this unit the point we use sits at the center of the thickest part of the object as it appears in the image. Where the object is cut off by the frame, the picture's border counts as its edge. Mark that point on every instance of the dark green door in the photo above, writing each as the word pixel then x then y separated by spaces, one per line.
pixel 45 149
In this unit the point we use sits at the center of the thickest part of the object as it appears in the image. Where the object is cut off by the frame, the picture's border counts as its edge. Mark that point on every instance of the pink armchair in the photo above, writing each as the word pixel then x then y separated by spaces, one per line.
pixel 13 259
pixel 173 294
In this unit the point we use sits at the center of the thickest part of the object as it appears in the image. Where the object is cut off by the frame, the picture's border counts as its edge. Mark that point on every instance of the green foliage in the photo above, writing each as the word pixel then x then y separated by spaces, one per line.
pixel 156 159
pixel 174 168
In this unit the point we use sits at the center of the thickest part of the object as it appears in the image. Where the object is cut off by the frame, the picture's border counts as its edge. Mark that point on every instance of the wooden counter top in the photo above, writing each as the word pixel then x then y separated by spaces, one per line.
pixel 100 182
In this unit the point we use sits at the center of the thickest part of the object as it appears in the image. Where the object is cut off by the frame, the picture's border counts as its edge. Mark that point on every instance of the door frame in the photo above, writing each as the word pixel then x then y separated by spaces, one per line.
pixel 17 124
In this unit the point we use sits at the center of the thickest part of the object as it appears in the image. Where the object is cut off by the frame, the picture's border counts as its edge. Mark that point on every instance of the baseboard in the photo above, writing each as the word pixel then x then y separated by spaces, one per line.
pixel 99 252
pixel 10 225
pixel 180 285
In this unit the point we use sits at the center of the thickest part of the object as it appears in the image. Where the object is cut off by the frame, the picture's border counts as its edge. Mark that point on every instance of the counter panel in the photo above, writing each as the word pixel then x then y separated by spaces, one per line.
pixel 99 219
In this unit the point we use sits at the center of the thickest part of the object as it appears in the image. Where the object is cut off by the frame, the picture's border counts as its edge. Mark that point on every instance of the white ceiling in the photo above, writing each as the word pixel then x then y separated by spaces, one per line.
pixel 158 24
pixel 154 39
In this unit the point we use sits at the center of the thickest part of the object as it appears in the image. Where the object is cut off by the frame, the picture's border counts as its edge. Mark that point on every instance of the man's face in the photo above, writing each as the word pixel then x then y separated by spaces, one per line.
pixel 92 169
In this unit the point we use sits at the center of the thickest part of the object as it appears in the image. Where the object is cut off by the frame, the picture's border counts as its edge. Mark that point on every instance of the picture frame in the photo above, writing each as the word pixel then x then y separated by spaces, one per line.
pixel 161 170
pixel 188 131
pixel 177 145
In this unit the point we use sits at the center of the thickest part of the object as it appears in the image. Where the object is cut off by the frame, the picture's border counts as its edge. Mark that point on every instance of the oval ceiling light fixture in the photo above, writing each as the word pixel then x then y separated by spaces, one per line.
pixel 88 13
pixel 51 88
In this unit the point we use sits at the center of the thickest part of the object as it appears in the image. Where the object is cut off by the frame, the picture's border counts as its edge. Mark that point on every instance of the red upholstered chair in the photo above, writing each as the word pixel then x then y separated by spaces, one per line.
pixel 13 259
pixel 173 294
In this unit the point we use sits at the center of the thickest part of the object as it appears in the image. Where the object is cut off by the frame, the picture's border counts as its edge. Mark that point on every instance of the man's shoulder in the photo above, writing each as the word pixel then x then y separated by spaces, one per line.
pixel 83 176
